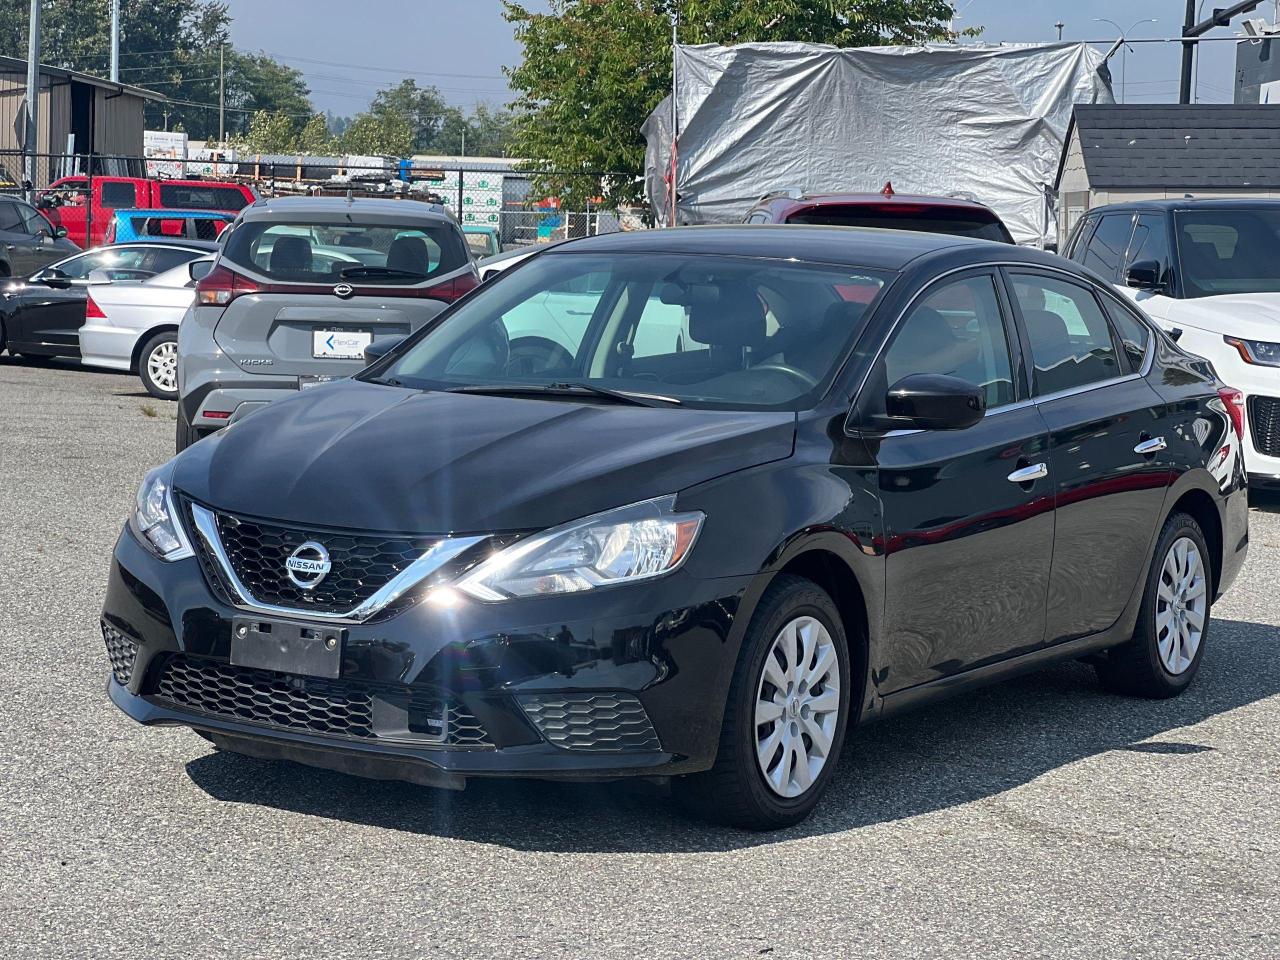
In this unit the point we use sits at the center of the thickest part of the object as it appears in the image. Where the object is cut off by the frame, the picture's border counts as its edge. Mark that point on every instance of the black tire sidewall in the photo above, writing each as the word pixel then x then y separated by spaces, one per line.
pixel 144 374
pixel 795 598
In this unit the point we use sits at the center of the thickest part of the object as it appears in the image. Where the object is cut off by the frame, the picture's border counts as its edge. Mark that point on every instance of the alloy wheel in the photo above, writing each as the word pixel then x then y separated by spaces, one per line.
pixel 162 366
pixel 1181 605
pixel 797 706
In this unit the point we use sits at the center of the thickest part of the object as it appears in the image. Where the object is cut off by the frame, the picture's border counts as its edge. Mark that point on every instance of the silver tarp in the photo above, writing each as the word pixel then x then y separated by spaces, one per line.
pixel 980 121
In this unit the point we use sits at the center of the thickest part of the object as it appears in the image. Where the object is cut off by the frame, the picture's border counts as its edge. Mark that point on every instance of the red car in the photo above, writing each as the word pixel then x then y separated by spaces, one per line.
pixel 887 210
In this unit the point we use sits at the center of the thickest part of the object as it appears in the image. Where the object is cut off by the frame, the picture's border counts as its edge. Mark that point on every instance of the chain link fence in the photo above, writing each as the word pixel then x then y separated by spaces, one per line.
pixel 496 203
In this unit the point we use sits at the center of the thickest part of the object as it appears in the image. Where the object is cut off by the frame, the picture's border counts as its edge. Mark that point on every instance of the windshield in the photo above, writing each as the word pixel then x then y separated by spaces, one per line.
pixel 956 222
pixel 699 330
pixel 373 253
pixel 1229 250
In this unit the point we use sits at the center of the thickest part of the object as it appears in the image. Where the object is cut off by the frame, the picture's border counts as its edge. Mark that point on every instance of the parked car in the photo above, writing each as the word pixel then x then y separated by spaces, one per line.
pixel 129 225
pixel 27 240
pixel 279 312
pixel 490 267
pixel 709 563
pixel 1206 270
pixel 134 326
pixel 70 203
pixel 41 315
pixel 482 241
pixel 886 210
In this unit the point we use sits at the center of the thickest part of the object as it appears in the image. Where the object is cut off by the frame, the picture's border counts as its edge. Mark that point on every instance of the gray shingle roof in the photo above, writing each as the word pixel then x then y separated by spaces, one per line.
pixel 1157 145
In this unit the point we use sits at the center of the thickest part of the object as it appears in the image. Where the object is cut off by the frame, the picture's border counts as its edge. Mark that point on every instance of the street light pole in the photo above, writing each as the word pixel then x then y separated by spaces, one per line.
pixel 115 41
pixel 1124 53
pixel 30 146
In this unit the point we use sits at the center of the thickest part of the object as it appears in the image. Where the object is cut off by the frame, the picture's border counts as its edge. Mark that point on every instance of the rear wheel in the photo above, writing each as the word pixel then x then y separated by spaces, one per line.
pixel 158 365
pixel 1168 641
pixel 186 434
pixel 786 715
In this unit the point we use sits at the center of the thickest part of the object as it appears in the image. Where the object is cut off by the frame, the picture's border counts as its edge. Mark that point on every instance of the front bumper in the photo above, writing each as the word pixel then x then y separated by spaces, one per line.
pixel 632 681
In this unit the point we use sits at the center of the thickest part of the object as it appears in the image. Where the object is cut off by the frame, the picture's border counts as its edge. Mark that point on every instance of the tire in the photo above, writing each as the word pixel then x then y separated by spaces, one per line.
pixel 158 365
pixel 186 434
pixel 735 790
pixel 1143 667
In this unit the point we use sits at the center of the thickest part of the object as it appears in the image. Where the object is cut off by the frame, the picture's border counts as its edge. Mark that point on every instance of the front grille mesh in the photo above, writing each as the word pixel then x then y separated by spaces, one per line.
pixel 330 707
pixel 121 651
pixel 602 723
pixel 1264 424
pixel 362 563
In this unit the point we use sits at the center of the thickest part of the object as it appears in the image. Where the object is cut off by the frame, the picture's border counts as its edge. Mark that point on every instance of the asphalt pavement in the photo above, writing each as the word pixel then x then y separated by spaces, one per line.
pixel 1041 817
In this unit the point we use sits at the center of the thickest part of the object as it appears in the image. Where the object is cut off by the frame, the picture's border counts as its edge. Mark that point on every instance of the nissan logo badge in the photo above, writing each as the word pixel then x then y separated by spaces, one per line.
pixel 308 565
pixel 343 290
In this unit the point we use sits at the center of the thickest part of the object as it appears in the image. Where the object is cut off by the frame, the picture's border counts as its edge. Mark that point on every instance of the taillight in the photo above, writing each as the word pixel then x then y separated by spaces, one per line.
pixel 220 286
pixel 91 309
pixel 1233 400
pixel 451 290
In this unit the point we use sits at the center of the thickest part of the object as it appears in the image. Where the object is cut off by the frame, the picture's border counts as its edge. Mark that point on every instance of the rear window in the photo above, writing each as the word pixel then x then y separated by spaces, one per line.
pixel 330 252
pixel 956 222
pixel 116 194
pixel 202 196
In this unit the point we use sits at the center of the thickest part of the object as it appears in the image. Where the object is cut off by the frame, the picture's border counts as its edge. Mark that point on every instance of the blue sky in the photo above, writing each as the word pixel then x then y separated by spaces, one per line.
pixel 461 46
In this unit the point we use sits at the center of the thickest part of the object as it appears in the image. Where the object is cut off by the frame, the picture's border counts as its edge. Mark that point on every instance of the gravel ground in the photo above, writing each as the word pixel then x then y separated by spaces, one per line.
pixel 1040 817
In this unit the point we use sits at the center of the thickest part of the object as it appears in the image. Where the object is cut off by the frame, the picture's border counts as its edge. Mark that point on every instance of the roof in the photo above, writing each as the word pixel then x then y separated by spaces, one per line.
pixel 15 65
pixel 852 246
pixel 1179 146
pixel 340 206
pixel 1187 203
pixel 857 199
pixel 172 213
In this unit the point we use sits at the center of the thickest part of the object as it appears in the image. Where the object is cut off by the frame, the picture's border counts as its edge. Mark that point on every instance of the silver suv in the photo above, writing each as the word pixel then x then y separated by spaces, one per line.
pixel 301 286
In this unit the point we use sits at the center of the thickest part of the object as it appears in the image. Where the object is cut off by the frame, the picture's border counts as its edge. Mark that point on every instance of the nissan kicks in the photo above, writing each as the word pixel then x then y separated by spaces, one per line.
pixel 692 504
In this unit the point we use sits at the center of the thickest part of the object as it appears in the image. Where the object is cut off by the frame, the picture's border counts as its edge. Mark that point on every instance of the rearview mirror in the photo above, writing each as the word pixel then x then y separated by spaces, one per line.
pixel 934 401
pixel 1144 275
pixel 380 348
pixel 199 269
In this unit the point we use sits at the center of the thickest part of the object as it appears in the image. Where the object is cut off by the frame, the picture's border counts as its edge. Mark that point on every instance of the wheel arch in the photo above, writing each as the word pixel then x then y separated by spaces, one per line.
pixel 136 354
pixel 1201 507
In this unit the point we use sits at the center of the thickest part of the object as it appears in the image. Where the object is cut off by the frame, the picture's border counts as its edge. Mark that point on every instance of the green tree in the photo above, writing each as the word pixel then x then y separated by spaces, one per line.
pixel 378 134
pixel 271 133
pixel 315 138
pixel 422 107
pixel 593 71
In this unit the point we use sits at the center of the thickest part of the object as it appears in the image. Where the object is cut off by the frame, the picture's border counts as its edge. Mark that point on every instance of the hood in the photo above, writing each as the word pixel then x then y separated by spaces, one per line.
pixel 373 457
pixel 1253 316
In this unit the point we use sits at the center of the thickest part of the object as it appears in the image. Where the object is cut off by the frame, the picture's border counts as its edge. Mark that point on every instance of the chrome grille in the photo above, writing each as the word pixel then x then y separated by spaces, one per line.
pixel 603 722
pixel 1264 424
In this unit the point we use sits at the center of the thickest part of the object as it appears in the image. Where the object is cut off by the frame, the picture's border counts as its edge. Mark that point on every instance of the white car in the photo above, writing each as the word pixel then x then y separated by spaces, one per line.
pixel 120 316
pixel 1208 271
pixel 490 267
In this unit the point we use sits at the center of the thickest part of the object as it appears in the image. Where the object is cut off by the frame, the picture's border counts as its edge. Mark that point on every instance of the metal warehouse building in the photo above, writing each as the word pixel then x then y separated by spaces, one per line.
pixel 1146 151
pixel 79 115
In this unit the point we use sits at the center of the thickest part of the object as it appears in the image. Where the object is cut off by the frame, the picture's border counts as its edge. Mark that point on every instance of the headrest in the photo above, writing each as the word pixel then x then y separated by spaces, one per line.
pixel 409 253
pixel 734 319
pixel 291 253
pixel 1048 329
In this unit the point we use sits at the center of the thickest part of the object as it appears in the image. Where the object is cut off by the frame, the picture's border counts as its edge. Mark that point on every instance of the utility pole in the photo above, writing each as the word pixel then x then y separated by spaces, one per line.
pixel 30 141
pixel 1191 30
pixel 115 41
pixel 222 93
pixel 1059 25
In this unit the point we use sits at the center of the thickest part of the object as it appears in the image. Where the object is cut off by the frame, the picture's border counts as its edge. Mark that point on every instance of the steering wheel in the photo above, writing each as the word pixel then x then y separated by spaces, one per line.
pixel 809 381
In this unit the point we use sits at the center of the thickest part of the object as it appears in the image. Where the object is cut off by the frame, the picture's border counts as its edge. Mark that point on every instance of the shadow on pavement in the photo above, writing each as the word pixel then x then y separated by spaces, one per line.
pixel 1267 500
pixel 951 753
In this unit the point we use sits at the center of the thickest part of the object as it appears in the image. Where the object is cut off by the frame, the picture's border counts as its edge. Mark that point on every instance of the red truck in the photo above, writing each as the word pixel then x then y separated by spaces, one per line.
pixel 68 202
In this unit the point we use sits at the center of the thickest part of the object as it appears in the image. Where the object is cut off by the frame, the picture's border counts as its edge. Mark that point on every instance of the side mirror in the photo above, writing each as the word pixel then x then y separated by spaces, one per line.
pixel 380 348
pixel 199 269
pixel 1144 275
pixel 934 401
pixel 1175 334
pixel 53 277
pixel 59 232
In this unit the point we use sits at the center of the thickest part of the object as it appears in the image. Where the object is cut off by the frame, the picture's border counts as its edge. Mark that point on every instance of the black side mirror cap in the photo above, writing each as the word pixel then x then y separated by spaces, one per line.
pixel 1175 334
pixel 380 348
pixel 199 269
pixel 935 401
pixel 1144 275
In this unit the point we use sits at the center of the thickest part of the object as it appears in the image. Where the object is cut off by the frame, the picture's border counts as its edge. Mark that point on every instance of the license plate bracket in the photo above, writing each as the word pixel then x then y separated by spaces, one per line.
pixel 340 344
pixel 287 646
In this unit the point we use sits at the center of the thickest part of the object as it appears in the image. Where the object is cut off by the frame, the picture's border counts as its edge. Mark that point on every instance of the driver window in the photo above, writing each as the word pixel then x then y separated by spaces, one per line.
pixel 957 330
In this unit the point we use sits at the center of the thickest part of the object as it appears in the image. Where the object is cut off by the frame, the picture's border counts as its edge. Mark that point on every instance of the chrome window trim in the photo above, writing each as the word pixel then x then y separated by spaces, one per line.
pixel 1147 362
pixel 428 563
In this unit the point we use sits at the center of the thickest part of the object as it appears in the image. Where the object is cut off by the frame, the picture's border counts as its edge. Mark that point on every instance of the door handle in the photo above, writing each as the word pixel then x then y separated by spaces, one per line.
pixel 1150 445
pixel 1037 471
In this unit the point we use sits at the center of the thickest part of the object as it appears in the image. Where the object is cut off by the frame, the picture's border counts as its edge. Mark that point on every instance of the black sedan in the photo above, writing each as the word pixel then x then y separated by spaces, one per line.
pixel 690 503
pixel 41 315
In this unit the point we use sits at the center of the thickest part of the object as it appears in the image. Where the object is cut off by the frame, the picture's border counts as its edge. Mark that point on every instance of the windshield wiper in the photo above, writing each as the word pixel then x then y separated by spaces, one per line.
pixel 382 272
pixel 570 390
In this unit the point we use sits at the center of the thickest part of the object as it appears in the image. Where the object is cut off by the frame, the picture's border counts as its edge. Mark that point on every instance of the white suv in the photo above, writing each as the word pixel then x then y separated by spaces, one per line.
pixel 1206 271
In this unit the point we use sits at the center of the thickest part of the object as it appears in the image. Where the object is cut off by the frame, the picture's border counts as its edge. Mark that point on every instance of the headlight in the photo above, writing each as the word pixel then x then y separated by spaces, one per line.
pixel 626 545
pixel 1261 352
pixel 154 519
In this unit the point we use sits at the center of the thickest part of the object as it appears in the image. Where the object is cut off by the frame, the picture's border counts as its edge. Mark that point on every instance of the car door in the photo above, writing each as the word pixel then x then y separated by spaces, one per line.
pixel 1106 449
pixel 1104 252
pixel 22 249
pixel 1150 244
pixel 968 514
pixel 53 307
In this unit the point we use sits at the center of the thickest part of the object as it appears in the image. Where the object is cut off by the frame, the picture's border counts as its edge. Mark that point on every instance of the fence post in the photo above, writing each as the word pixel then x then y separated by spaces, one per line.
pixel 88 203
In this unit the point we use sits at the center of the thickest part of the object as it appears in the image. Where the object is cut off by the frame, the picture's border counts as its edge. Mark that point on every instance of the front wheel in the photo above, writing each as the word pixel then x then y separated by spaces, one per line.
pixel 786 715
pixel 158 365
pixel 1168 641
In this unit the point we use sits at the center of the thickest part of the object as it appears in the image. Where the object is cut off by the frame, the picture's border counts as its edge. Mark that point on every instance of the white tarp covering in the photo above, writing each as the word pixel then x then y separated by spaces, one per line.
pixel 981 121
